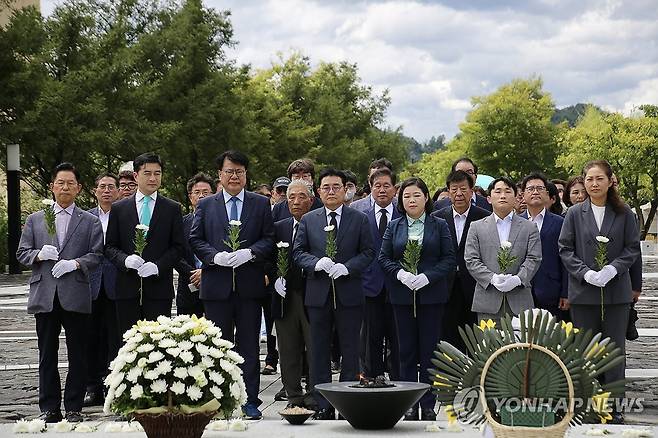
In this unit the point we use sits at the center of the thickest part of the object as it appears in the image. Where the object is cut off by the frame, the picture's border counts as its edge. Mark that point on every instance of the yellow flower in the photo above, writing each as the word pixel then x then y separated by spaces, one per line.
pixel 594 351
pixel 568 327
pixel 488 324
pixel 450 413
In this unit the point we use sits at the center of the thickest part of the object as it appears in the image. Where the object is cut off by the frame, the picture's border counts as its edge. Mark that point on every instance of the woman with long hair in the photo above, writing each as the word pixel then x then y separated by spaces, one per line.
pixel 574 192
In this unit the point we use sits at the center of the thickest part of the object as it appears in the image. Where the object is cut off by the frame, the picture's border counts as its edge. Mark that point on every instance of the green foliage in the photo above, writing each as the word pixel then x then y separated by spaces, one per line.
pixel 434 168
pixel 417 150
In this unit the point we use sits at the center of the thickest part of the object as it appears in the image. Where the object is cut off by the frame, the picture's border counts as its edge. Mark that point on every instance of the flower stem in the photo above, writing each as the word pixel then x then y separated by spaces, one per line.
pixel 333 290
pixel 141 288
pixel 233 279
pixel 602 311
pixel 414 303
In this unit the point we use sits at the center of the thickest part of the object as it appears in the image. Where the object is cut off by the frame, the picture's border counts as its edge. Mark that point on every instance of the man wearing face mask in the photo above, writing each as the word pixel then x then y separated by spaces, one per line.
pixel 350 187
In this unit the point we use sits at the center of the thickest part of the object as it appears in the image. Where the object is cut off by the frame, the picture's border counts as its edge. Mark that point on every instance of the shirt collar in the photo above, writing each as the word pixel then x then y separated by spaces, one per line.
pixel 228 196
pixel 412 221
pixel 139 196
pixel 507 218
pixel 339 211
pixel 57 208
pixel 541 214
pixel 102 213
pixel 464 215
pixel 388 208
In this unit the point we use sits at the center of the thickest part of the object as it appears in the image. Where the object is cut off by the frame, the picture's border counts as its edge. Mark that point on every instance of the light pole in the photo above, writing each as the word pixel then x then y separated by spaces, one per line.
pixel 13 205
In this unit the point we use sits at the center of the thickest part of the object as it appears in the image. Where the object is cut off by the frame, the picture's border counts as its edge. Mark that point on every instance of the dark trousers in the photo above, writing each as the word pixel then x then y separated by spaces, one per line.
pixel 49 326
pixel 294 338
pixel 272 357
pixel 129 311
pixel 103 340
pixel 188 302
pixel 418 338
pixel 243 315
pixel 613 326
pixel 458 314
pixel 379 325
pixel 348 323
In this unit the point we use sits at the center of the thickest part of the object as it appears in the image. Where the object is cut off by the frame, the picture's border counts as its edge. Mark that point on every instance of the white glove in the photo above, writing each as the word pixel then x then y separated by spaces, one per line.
pixel 64 267
pixel 280 286
pixel 499 279
pixel 338 270
pixel 239 257
pixel 133 261
pixel 48 252
pixel 324 264
pixel 606 274
pixel 148 269
pixel 592 278
pixel 510 283
pixel 405 277
pixel 221 259
pixel 419 281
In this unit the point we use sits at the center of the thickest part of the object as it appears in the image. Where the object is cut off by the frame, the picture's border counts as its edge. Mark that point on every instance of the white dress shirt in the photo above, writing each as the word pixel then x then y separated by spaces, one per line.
pixel 62 219
pixel 378 212
pixel 599 213
pixel 539 219
pixel 139 198
pixel 228 203
pixel 339 213
pixel 104 218
pixel 504 225
pixel 460 223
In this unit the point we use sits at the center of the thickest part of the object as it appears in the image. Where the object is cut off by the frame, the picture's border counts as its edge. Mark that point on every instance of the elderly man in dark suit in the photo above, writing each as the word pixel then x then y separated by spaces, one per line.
pixel 467 165
pixel 59 290
pixel 104 339
pixel 189 266
pixel 164 246
pixel 459 217
pixel 334 292
pixel 227 306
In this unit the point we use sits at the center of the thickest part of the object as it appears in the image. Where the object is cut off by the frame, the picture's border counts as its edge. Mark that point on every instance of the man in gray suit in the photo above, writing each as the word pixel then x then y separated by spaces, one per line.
pixel 499 292
pixel 368 203
pixel 59 290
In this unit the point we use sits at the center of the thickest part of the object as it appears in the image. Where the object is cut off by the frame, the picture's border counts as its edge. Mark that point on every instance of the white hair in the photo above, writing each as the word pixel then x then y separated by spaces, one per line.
pixel 300 183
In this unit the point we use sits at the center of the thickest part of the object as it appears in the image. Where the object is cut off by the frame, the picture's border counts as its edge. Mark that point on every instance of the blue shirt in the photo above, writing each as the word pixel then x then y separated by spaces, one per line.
pixel 228 203
pixel 416 228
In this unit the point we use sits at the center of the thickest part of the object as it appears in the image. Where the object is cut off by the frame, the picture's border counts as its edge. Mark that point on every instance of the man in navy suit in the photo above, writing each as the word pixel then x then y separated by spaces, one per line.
pixel 459 217
pixel 103 335
pixel 327 305
pixel 467 165
pixel 379 320
pixel 227 306
pixel 367 203
pixel 301 169
pixel 189 266
pixel 549 286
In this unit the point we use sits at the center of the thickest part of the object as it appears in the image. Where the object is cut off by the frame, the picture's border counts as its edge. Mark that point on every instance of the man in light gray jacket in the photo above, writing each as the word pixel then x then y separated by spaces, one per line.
pixel 503 289
pixel 59 290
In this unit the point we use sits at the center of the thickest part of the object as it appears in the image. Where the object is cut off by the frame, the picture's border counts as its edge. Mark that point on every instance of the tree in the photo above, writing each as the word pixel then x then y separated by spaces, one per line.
pixel 434 168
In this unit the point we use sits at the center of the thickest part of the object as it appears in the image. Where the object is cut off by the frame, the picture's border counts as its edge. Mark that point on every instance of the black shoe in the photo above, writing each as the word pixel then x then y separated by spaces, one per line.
pixel 268 370
pixel 281 395
pixel 51 416
pixel 617 418
pixel 74 417
pixel 631 330
pixel 411 414
pixel 325 414
pixel 427 415
pixel 93 398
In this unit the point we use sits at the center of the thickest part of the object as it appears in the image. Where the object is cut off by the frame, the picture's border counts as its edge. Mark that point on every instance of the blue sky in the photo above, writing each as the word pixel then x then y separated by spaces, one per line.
pixel 434 56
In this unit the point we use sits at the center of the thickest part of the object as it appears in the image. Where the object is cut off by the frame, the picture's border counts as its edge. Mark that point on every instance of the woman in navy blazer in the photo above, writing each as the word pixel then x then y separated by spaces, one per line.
pixel 418 333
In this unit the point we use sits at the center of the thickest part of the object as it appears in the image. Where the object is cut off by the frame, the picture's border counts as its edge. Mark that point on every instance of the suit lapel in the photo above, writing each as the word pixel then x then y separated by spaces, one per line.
pixel 134 215
pixel 588 218
pixel 608 220
pixel 345 220
pixel 493 229
pixel 450 219
pixel 157 212
pixel 428 231
pixel 76 217
pixel 221 207
pixel 246 209
pixel 515 228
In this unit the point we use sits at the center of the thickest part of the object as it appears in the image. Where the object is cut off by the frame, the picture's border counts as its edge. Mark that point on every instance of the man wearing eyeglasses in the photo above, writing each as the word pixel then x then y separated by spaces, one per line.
pixel 467 165
pixel 127 184
pixel 334 292
pixel 228 306
pixel 549 285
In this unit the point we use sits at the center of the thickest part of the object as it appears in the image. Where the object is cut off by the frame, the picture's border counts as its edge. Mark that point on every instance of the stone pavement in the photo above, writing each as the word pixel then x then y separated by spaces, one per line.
pixel 19 378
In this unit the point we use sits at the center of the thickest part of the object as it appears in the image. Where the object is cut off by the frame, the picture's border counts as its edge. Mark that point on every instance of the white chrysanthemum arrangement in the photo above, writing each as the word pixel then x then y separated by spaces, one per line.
pixel 179 364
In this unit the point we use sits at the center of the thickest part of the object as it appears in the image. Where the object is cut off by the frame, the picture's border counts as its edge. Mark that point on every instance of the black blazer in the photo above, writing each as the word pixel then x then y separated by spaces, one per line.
pixel 186 263
pixel 164 247
pixel 294 278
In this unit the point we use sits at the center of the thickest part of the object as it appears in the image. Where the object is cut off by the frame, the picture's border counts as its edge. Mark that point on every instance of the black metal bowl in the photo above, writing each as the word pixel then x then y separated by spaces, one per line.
pixel 296 419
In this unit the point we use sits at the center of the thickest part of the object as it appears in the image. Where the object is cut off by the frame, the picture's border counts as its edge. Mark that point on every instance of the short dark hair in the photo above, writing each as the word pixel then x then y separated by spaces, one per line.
pixel 457 176
pixel 148 157
pixel 200 177
pixel 505 180
pixel 382 172
pixel 381 162
pixel 556 207
pixel 556 181
pixel 351 177
pixel 107 175
pixel 459 160
pixel 330 171
pixel 534 175
pixel 415 181
pixel 65 167
pixel 233 155
pixel 304 165
pixel 127 174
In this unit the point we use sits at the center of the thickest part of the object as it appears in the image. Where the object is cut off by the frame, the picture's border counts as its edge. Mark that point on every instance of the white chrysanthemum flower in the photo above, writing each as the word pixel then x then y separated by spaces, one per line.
pixel 137 338
pixel 116 379
pixel 134 374
pixel 112 428
pixel 118 363
pixel 195 371
pixel 237 425
pixel 506 244
pixel 142 362
pixel 218 426
pixel 186 356
pixel 155 356
pixel 234 356
pixel 329 228
pixel 132 426
pixel 216 377
pixel 151 374
pixel 128 347
pixel 178 388
pixel 235 223
pixel 167 343
pixel 84 428
pixel 48 202
pixel 36 426
pixel 235 373
pixel 215 352
pixel 63 426
pixel 226 365
pixel 177 330
pixel 174 352
pixel 21 426
pixel 602 239
pixel 180 373
pixel 163 320
pixel 222 343
pixel 122 387
pixel 234 389
pixel 198 338
pixel 216 392
pixel 145 348
pixel 185 345
pixel 157 336
pixel 201 381
pixel 129 334
pixel 164 367
pixel 213 330
pixel 203 350
pixel 207 362
pixel 159 386
pixel 136 392
pixel 282 244
pixel 142 227
pixel 129 357
pixel 190 325
pixel 194 393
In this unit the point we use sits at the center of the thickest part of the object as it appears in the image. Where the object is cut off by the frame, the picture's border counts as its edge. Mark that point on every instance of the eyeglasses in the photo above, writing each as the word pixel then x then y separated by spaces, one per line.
pixel 131 186
pixel 110 187
pixel 538 189
pixel 237 172
pixel 328 189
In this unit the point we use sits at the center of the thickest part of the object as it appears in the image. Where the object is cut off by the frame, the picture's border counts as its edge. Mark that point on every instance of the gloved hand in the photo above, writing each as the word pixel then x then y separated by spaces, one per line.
pixel 499 279
pixel 148 269
pixel 338 270
pixel 324 264
pixel 510 283
pixel 405 278
pixel 419 281
pixel 592 278
pixel 64 267
pixel 239 257
pixel 133 261
pixel 280 286
pixel 606 274
pixel 48 252
pixel 221 259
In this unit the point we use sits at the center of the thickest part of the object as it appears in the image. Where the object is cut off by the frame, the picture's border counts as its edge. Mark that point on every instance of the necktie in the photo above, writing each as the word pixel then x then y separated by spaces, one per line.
pixel 294 233
pixel 145 214
pixel 383 221
pixel 234 209
pixel 333 220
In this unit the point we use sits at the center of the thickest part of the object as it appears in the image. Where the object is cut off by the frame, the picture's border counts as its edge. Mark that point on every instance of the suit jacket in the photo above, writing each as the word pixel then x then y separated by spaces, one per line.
pixel 105 273
pixel 186 264
pixel 437 261
pixel 354 250
pixel 209 231
pixel 282 211
pixel 480 255
pixel 294 278
pixel 550 282
pixel 480 201
pixel 461 278
pixel 83 242
pixel 373 276
pixel 363 204
pixel 578 247
pixel 164 246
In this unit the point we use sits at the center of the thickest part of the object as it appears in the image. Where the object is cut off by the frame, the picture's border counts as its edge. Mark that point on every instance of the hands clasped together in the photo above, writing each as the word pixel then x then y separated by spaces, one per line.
pixel 505 282
pixel 602 277
pixel 61 267
pixel 334 270
pixel 413 282
pixel 143 268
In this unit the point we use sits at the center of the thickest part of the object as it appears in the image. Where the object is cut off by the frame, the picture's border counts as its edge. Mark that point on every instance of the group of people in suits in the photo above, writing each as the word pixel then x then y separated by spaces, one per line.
pixel 349 274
